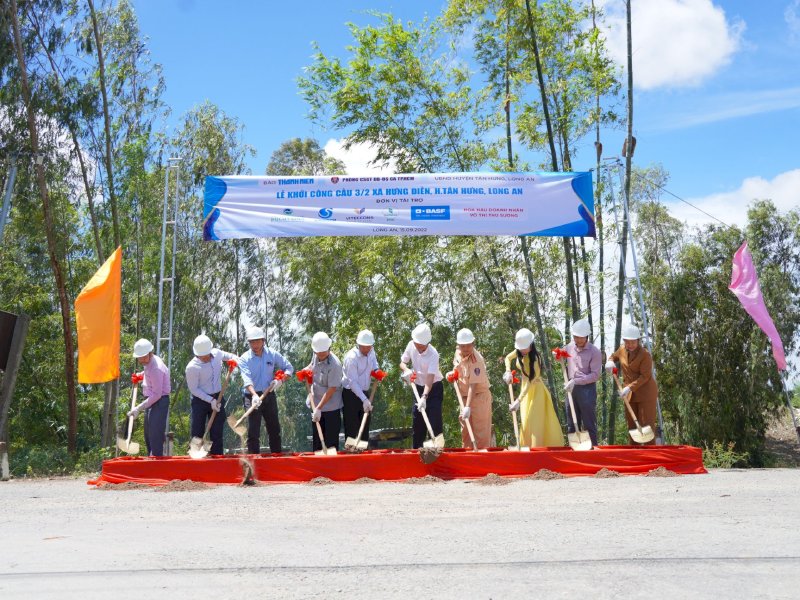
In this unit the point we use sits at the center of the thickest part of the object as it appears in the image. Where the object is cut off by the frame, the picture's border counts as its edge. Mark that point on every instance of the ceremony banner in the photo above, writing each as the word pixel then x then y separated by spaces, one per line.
pixel 535 204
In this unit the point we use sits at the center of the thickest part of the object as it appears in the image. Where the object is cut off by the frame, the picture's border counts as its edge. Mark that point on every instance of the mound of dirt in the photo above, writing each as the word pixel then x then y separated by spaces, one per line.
pixel 492 479
pixel 423 480
pixel 182 485
pixel 544 475
pixel 606 473
pixel 320 481
pixel 365 480
pixel 121 487
pixel 661 472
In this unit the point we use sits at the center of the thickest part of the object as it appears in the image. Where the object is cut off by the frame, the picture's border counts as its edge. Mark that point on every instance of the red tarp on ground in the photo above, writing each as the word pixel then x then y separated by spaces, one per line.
pixel 396 465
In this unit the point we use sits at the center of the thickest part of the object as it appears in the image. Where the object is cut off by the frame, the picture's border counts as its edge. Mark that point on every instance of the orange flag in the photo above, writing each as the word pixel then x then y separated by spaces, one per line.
pixel 97 312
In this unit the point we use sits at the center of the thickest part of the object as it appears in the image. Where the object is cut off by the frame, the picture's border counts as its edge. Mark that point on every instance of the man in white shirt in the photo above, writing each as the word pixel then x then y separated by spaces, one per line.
pixel 359 362
pixel 424 360
pixel 204 375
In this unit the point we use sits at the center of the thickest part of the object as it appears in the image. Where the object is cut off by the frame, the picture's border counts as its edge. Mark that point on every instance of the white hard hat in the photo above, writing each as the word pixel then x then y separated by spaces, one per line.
pixel 365 338
pixel 256 333
pixel 464 336
pixel 202 345
pixel 421 334
pixel 142 348
pixel 581 328
pixel 523 339
pixel 630 332
pixel 320 342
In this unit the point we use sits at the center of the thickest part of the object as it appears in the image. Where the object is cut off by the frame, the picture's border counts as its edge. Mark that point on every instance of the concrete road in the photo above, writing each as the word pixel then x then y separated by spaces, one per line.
pixel 729 534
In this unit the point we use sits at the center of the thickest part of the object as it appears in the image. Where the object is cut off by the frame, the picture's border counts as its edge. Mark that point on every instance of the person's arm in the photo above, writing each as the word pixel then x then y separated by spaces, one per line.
pixel 193 383
pixel 334 383
pixel 247 378
pixel 594 369
pixel 284 364
pixel 156 385
pixel 645 372
pixel 351 374
pixel 509 357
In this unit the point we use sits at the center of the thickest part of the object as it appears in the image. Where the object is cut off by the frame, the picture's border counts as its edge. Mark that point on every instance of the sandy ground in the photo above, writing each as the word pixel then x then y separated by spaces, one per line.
pixel 729 534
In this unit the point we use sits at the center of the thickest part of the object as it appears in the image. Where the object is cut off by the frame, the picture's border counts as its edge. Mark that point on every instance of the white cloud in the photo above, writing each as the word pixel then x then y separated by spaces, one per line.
pixel 792 17
pixel 731 207
pixel 676 43
pixel 358 158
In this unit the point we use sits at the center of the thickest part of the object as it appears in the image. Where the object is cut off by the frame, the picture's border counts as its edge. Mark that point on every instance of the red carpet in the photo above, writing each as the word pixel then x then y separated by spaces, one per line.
pixel 396 465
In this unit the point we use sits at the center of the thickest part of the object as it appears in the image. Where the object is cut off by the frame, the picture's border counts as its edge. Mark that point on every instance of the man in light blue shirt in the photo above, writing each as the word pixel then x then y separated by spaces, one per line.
pixel 258 366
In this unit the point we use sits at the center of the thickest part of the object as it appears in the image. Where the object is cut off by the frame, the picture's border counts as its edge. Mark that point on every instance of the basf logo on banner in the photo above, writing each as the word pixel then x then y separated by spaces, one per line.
pixel 430 213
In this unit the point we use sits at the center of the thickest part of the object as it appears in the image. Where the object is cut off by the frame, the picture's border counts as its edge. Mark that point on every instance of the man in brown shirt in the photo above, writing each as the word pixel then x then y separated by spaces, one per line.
pixel 640 388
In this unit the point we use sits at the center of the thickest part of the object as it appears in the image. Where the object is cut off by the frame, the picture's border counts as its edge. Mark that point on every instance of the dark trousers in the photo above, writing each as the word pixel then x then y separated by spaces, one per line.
pixel 201 411
pixel 269 412
pixel 584 397
pixel 331 423
pixel 433 408
pixel 353 413
pixel 155 426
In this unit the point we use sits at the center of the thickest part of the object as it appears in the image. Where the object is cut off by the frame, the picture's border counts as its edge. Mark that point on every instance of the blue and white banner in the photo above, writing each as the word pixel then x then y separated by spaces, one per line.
pixel 540 204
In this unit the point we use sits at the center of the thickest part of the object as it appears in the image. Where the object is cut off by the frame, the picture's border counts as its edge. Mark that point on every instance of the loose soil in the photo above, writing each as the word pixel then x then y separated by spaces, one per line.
pixel 423 480
pixel 121 487
pixel 182 485
pixel 606 473
pixel 492 479
pixel 364 480
pixel 661 472
pixel 781 439
pixel 320 481
pixel 544 475
pixel 428 455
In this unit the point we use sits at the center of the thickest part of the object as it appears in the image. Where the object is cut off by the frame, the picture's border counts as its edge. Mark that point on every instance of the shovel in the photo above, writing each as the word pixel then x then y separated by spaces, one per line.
pixel 308 377
pixel 436 441
pixel 126 445
pixel 454 381
pixel 640 435
pixel 357 444
pixel 516 448
pixel 199 447
pixel 580 439
pixel 237 426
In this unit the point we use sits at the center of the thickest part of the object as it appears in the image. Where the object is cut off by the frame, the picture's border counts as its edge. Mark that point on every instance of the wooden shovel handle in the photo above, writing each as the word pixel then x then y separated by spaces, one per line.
pixel 626 402
pixel 421 410
pixel 314 408
pixel 466 421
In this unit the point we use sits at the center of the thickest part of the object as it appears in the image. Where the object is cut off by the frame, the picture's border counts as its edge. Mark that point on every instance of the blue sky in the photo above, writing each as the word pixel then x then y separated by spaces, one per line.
pixel 717 99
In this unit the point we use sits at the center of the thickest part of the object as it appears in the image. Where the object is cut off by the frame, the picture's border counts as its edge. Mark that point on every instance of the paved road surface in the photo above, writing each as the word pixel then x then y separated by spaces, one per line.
pixel 729 534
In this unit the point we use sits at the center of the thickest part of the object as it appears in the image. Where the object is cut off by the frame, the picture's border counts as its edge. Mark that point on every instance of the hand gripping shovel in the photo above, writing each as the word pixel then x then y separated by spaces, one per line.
pixel 126 445
pixel 580 440
pixel 307 376
pixel 356 444
pixel 640 435
pixel 436 441
pixel 454 380
pixel 235 424
pixel 516 448
pixel 199 447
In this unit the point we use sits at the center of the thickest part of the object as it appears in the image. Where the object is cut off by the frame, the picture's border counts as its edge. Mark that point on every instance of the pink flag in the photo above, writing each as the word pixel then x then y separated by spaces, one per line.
pixel 744 283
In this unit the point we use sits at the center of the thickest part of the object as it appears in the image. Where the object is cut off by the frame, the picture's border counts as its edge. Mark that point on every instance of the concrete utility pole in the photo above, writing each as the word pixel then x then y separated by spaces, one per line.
pixel 12 175
pixel 10 368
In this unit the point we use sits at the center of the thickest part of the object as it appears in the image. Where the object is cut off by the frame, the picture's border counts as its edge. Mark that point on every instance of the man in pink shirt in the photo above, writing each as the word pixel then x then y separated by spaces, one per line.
pixel 155 389
pixel 583 370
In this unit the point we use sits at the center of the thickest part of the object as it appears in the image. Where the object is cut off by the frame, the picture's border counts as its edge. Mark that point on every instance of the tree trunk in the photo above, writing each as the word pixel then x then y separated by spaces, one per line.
pixel 624 241
pixel 69 354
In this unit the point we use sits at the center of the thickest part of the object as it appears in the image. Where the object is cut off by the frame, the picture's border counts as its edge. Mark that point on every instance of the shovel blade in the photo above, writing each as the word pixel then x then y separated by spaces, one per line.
pixel 127 447
pixel 239 430
pixel 645 436
pixel 362 445
pixel 326 452
pixel 438 441
pixel 201 453
pixel 350 444
pixel 579 440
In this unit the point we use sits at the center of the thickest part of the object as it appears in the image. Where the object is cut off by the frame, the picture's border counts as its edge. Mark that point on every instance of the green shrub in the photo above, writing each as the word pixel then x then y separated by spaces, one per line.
pixel 719 456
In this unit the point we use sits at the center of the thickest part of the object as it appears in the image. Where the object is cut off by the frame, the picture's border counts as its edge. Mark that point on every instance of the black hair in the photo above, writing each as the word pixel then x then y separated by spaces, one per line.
pixel 535 356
